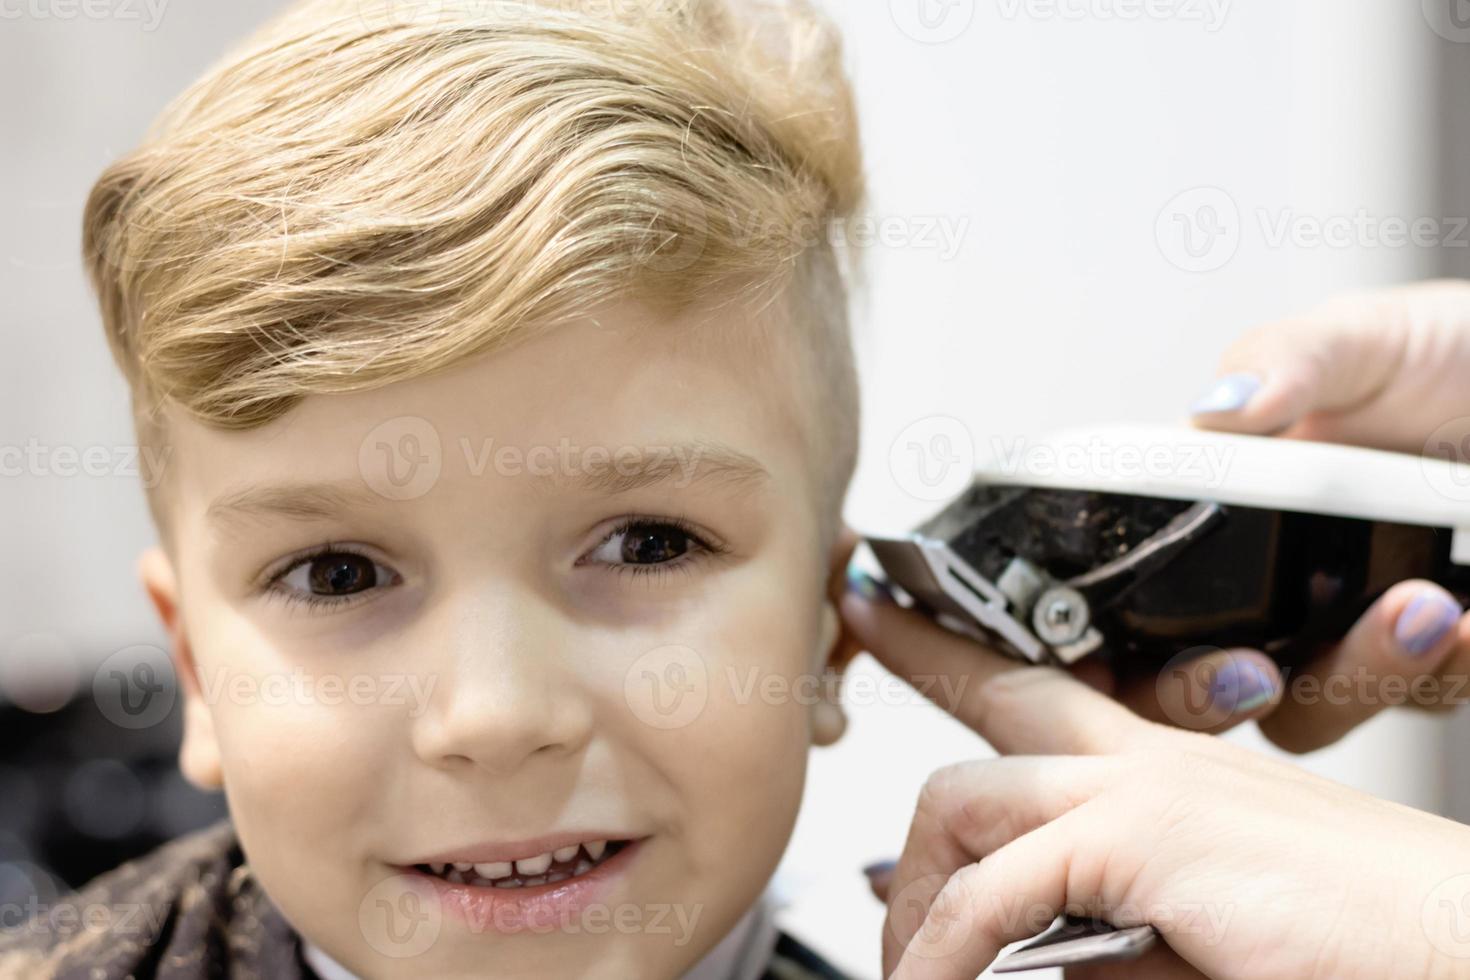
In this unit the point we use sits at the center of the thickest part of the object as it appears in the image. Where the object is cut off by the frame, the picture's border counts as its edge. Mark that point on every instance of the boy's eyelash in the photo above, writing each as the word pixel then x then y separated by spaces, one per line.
pixel 703 546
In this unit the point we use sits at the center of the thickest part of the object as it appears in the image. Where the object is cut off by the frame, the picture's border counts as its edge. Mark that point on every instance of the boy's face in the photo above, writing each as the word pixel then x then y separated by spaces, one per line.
pixel 569 592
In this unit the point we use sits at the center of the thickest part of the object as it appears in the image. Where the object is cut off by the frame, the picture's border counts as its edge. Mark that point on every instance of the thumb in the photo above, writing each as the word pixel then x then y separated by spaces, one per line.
pixel 1296 376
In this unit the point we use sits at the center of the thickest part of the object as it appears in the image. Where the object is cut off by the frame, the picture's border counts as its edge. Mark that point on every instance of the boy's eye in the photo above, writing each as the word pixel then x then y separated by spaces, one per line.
pixel 645 543
pixel 337 573
pixel 334 574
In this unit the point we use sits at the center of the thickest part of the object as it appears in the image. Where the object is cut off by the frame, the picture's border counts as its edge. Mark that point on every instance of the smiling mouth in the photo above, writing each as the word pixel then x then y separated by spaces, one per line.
pixel 562 864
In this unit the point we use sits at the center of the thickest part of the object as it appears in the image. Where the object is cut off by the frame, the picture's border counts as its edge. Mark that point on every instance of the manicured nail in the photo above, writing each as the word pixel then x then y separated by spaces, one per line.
pixel 878 868
pixel 1424 622
pixel 863 584
pixel 1241 685
pixel 1229 394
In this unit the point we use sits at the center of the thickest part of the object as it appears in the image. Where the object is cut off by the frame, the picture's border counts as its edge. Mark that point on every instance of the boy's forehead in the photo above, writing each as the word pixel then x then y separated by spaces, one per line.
pixel 622 392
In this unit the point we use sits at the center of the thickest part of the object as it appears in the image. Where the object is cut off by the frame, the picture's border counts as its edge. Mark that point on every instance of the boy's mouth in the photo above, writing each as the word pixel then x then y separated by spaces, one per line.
pixel 548 867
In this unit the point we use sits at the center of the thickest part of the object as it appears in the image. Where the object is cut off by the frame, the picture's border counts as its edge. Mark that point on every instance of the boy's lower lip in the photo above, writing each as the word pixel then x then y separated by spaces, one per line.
pixel 535 908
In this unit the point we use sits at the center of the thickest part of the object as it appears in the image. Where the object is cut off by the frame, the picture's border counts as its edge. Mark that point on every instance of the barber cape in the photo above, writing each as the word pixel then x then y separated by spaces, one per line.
pixel 191 910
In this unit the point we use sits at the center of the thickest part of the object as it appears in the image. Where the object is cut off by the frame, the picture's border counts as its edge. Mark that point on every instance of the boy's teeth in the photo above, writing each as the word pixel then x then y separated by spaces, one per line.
pixel 533 866
pixel 526 871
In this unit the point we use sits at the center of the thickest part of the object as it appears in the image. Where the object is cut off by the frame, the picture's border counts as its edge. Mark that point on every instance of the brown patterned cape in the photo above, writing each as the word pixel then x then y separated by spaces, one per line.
pixel 191 910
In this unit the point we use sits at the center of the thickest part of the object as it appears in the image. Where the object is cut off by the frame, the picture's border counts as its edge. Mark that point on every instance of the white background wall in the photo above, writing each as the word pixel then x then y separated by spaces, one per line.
pixel 1052 135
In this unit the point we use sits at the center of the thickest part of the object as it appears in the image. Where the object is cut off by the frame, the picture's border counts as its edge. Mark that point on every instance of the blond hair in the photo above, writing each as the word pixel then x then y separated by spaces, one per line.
pixel 365 193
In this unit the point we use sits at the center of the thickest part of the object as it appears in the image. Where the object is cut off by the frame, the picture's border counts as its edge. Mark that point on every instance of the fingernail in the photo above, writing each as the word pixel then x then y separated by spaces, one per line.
pixel 1229 394
pixel 1424 622
pixel 1241 685
pixel 878 868
pixel 863 584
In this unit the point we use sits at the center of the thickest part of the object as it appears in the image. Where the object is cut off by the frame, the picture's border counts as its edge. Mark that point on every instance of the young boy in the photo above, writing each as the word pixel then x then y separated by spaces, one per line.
pixel 500 354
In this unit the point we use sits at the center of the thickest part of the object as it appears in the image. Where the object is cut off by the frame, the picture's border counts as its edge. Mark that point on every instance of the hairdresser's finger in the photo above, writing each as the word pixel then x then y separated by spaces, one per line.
pixel 1017 708
pixel 973 809
pixel 846 646
pixel 880 876
pixel 1279 373
pixel 953 928
pixel 1209 693
pixel 1392 655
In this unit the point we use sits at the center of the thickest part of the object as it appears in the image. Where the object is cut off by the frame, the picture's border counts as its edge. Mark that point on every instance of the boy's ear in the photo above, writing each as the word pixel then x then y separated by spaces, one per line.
pixel 199 756
pixel 837 645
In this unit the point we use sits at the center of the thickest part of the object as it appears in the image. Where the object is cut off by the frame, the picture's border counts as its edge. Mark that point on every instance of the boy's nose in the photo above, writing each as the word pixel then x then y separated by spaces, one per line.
pixel 504 690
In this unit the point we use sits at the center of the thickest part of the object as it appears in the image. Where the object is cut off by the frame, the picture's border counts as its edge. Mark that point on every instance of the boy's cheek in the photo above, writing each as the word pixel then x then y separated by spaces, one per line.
pixel 292 753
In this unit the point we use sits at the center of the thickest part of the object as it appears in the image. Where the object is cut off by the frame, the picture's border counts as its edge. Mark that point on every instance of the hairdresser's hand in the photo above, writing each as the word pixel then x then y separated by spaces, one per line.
pixel 1247 866
pixel 1388 369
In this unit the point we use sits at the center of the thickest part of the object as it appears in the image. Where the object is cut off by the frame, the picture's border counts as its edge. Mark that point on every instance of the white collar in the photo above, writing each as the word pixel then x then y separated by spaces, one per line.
pixel 743 954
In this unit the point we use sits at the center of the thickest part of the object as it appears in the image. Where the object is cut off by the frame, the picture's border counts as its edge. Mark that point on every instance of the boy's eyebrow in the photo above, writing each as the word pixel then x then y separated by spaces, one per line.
pixel 611 474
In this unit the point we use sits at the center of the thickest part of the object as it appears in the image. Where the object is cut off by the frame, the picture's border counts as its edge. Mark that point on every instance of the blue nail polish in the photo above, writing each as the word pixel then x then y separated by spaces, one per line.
pixel 863 584
pixel 1229 394
pixel 1424 622
pixel 1241 685
pixel 880 867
